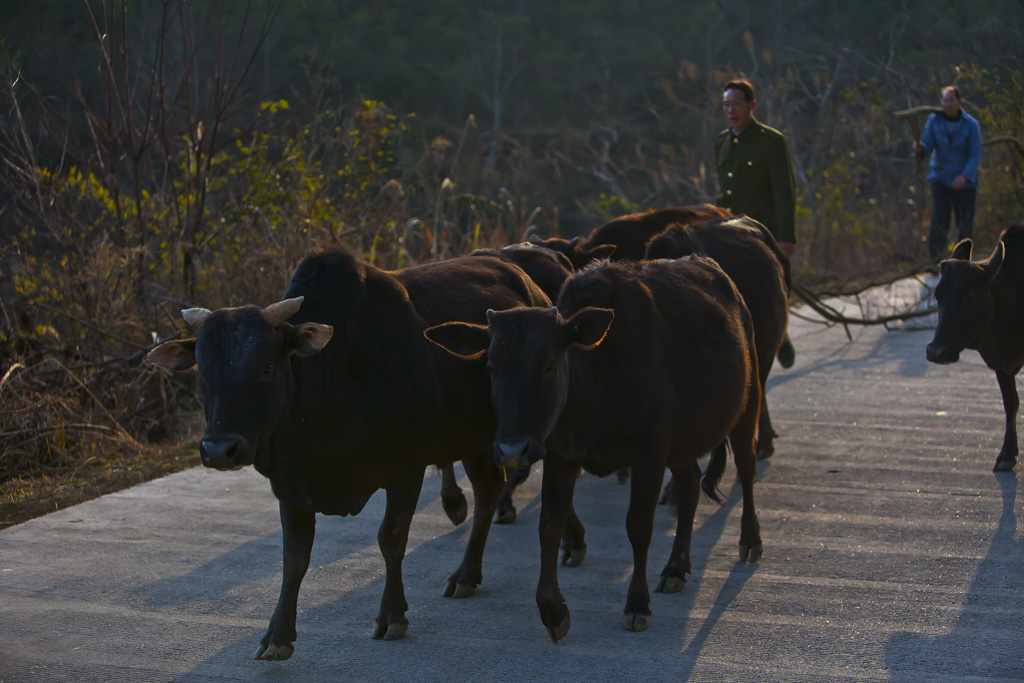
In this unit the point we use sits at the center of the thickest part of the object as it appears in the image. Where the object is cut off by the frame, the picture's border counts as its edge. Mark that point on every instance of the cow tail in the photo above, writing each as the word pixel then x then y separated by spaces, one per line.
pixel 713 474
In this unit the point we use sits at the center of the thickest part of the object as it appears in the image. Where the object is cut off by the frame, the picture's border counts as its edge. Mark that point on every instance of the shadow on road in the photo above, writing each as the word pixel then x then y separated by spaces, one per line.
pixel 212 582
pixel 985 641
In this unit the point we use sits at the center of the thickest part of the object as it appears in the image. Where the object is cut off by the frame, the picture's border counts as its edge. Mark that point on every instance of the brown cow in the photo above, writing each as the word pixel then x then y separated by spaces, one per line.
pixel 671 378
pixel 751 257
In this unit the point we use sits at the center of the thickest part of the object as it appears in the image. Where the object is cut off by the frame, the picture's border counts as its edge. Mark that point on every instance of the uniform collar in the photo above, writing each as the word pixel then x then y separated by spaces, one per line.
pixel 747 132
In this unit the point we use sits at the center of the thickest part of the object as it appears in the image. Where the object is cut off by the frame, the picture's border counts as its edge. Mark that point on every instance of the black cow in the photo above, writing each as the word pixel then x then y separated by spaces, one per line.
pixel 671 378
pixel 371 410
pixel 751 257
pixel 980 305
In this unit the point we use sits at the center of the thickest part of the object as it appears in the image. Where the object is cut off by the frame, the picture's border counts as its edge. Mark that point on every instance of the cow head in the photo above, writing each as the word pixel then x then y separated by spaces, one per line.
pixel 243 360
pixel 578 256
pixel 527 358
pixel 965 302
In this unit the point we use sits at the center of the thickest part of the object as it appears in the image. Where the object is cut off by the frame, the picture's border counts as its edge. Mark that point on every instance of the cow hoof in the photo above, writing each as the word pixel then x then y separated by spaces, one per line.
pixel 623 475
pixel 765 453
pixel 396 631
pixel 456 510
pixel 670 584
pixel 274 653
pixel 393 631
pixel 559 632
pixel 573 557
pixel 463 590
pixel 751 552
pixel 505 516
pixel 636 622
pixel 454 589
pixel 1004 465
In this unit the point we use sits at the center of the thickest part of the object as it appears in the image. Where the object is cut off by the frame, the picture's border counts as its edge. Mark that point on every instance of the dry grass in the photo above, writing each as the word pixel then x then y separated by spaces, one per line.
pixel 22 499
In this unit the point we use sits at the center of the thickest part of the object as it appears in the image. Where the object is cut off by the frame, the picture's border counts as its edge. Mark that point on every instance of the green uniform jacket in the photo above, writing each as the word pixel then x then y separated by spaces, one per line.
pixel 756 178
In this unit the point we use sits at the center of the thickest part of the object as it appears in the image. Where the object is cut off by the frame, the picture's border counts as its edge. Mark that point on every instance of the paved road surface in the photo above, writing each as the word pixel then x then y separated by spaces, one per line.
pixel 891 553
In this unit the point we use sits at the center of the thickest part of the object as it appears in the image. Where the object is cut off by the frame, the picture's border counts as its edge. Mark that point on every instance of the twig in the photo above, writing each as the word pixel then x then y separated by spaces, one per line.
pixel 102 407
pixel 831 314
pixel 7 374
pixel 87 324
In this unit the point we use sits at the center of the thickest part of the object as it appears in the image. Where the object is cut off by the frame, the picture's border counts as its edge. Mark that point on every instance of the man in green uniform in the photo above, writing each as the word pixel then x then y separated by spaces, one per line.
pixel 754 170
pixel 755 175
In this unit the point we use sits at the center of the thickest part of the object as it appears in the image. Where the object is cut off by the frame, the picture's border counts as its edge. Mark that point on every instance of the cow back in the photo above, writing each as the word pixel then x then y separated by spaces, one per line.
pixel 751 257
pixel 380 393
pixel 546 267
pixel 674 366
pixel 631 233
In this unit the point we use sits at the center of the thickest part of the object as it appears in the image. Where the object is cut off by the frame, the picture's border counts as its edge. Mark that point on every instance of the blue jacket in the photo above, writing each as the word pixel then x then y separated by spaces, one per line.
pixel 959 154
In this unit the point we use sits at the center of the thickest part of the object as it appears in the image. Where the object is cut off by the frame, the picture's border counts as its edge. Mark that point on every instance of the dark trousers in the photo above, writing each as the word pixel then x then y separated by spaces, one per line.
pixel 947 201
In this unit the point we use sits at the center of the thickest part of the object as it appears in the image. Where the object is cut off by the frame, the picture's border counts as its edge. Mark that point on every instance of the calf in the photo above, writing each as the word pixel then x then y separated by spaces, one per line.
pixel 751 257
pixel 980 306
pixel 671 378
pixel 548 268
pixel 329 424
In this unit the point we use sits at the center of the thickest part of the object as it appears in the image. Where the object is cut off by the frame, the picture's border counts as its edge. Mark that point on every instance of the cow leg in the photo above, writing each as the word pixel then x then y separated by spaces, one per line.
pixel 1007 458
pixel 643 502
pixel 487 486
pixel 765 434
pixel 574 550
pixel 555 507
pixel 669 498
pixel 742 441
pixel 453 500
pixel 298 529
pixel 392 537
pixel 686 482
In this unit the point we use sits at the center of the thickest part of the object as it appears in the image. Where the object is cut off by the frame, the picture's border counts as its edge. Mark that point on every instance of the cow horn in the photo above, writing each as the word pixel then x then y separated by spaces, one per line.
pixel 534 238
pixel 195 316
pixel 275 314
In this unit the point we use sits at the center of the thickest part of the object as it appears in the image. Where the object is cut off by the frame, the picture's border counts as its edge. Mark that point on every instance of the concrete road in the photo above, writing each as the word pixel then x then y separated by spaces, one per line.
pixel 891 553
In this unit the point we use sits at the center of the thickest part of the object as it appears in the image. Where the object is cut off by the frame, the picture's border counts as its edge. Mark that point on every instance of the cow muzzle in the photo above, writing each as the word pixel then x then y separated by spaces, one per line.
pixel 517 454
pixel 940 354
pixel 225 452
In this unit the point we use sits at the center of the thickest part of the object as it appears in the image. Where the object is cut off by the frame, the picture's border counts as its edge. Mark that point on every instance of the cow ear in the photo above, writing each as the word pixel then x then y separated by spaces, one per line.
pixel 995 260
pixel 178 356
pixel 309 338
pixel 589 327
pixel 574 241
pixel 602 251
pixel 962 251
pixel 464 340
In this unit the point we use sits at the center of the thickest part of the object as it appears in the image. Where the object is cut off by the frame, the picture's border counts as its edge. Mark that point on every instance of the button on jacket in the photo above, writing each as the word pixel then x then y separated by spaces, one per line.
pixel 756 178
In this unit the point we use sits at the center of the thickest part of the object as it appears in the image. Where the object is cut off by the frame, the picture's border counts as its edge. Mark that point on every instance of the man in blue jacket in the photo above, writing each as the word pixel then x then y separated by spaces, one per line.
pixel 953 138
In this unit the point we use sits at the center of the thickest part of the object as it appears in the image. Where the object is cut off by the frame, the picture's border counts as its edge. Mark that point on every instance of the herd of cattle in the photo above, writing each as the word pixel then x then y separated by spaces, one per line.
pixel 664 327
